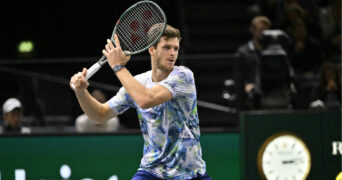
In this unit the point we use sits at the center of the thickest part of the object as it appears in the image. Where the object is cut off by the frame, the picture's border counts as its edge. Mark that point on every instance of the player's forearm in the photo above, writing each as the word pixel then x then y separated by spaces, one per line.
pixel 139 93
pixel 91 107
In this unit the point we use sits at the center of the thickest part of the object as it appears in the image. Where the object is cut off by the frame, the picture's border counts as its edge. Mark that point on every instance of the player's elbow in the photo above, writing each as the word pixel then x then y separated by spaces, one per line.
pixel 144 104
pixel 152 99
pixel 145 101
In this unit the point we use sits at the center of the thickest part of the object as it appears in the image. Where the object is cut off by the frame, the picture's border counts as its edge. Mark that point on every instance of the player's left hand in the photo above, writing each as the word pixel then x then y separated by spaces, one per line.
pixel 115 55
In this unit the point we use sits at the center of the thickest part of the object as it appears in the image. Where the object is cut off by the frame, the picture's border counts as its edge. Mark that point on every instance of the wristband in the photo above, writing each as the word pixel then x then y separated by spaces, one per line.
pixel 118 67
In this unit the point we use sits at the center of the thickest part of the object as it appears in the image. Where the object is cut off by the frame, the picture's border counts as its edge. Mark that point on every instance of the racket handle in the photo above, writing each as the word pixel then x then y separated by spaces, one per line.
pixel 92 70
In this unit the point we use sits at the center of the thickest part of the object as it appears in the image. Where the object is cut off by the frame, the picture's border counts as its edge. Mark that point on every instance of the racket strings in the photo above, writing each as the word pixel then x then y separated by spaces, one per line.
pixel 137 24
pixel 140 27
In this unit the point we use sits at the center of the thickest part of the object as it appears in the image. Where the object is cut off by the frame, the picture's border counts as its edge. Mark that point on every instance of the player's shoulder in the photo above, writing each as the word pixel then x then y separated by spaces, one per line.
pixel 182 70
pixel 182 74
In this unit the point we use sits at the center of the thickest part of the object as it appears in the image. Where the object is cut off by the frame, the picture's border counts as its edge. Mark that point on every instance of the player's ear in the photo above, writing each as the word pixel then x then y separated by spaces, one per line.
pixel 152 50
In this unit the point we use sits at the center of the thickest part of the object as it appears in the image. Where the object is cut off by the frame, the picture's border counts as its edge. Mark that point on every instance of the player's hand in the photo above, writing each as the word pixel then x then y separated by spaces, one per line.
pixel 114 54
pixel 78 82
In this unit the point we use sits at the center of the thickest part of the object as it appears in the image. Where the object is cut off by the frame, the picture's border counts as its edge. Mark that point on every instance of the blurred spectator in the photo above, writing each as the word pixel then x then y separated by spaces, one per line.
pixel 330 20
pixel 12 113
pixel 266 69
pixel 306 52
pixel 328 94
pixel 292 10
pixel 85 124
pixel 250 54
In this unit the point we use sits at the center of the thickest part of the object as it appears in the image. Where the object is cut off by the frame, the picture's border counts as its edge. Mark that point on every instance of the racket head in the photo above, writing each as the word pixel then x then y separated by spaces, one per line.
pixel 140 27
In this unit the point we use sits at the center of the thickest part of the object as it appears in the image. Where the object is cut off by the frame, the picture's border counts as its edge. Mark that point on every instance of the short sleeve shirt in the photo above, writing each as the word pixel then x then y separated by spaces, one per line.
pixel 170 130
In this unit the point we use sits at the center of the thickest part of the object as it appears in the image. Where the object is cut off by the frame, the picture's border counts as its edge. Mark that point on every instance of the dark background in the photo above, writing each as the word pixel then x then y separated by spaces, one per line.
pixel 64 28
pixel 70 35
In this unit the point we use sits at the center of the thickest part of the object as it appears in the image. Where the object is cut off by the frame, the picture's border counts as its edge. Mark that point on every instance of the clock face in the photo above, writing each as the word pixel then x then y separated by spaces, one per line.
pixel 284 157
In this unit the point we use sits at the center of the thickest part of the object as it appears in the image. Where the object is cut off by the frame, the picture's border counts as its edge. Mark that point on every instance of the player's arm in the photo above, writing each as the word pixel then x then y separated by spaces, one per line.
pixel 144 97
pixel 90 106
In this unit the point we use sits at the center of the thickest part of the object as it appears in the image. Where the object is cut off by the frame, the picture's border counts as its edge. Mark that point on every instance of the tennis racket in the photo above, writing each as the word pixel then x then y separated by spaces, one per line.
pixel 138 28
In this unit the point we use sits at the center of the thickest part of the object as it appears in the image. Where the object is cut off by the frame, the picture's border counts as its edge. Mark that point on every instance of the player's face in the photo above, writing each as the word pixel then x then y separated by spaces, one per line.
pixel 166 53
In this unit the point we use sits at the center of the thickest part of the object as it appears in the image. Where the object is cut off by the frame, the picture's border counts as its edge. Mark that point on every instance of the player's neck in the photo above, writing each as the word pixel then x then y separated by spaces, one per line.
pixel 159 74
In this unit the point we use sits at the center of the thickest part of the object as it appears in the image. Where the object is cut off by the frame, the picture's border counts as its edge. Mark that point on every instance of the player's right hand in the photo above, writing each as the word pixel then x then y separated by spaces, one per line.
pixel 79 82
pixel 114 54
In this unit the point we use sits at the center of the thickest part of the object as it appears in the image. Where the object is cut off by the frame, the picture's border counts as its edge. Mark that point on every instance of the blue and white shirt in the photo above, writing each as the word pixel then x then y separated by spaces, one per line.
pixel 170 130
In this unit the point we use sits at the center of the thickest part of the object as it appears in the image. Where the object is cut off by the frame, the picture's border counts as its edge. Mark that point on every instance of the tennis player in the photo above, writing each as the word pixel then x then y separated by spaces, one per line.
pixel 166 103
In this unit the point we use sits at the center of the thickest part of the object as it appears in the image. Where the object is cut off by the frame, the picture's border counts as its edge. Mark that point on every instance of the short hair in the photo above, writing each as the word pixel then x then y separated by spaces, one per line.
pixel 169 32
pixel 261 19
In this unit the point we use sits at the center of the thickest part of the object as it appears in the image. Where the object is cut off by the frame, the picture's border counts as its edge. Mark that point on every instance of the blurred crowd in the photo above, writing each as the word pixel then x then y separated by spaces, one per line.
pixel 293 60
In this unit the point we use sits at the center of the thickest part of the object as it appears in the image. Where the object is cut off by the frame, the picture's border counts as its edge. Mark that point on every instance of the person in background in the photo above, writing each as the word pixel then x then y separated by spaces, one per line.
pixel 250 54
pixel 307 55
pixel 12 114
pixel 85 124
pixel 328 93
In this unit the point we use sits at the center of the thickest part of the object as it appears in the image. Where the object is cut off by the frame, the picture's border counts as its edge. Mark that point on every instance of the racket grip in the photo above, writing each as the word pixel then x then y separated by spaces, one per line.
pixel 92 70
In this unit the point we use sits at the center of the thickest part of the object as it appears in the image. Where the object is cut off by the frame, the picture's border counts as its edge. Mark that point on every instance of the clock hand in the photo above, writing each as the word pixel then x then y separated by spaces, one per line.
pixel 296 160
pixel 288 162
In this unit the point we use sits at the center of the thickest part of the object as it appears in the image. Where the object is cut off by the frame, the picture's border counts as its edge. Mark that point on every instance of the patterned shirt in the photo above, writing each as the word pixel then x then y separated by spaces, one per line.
pixel 170 130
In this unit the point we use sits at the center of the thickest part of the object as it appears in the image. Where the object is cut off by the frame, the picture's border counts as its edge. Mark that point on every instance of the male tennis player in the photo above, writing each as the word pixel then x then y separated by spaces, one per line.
pixel 165 99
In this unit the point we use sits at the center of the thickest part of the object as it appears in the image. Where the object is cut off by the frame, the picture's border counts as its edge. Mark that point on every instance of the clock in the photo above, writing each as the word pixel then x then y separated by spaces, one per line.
pixel 284 156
